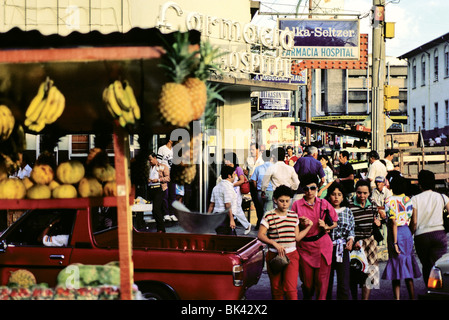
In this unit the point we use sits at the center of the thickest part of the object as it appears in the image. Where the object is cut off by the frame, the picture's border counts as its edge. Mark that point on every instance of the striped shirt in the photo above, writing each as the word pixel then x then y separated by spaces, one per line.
pixel 345 226
pixel 281 229
pixel 363 219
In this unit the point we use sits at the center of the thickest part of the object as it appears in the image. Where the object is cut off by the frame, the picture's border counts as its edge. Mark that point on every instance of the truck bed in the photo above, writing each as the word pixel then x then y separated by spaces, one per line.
pixel 176 241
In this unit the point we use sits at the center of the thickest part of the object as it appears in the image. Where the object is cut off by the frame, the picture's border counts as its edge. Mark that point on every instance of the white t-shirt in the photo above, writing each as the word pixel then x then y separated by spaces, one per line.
pixel 165 155
pixel 429 207
pixel 56 241
pixel 376 169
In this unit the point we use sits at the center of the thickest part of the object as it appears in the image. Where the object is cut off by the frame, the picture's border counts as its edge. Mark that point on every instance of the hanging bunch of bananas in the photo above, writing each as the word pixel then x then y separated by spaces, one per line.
pixel 7 122
pixel 121 102
pixel 46 107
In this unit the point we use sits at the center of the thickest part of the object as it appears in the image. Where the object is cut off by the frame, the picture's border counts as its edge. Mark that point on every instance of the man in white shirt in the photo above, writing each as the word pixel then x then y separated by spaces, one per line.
pixel 279 173
pixel 389 155
pixel 224 197
pixel 375 169
pixel 165 156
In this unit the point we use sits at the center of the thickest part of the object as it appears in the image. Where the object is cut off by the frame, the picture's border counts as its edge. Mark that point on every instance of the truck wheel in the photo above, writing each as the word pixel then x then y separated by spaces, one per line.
pixel 156 291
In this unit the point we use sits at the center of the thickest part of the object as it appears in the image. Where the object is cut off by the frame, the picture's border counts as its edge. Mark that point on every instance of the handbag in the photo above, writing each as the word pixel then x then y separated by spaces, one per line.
pixel 445 217
pixel 377 234
pixel 278 263
pixel 244 188
pixel 327 218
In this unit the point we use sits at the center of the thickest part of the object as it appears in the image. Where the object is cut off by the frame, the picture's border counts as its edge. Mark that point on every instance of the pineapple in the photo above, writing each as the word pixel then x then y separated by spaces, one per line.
pixel 196 82
pixel 185 96
pixel 174 100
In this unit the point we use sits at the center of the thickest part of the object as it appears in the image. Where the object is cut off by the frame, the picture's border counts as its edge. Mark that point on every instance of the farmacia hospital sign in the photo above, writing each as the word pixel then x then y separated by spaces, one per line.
pixel 323 39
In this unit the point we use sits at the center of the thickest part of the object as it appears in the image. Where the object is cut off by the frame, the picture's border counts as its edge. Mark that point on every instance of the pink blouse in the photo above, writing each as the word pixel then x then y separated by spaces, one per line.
pixel 311 251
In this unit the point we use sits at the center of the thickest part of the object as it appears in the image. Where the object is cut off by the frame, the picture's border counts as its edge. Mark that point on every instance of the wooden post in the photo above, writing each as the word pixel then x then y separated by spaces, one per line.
pixel 124 215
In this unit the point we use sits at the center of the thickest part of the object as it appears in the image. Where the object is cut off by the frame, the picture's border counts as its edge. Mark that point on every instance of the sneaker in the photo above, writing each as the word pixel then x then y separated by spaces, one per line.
pixel 167 217
pixel 248 230
pixel 173 218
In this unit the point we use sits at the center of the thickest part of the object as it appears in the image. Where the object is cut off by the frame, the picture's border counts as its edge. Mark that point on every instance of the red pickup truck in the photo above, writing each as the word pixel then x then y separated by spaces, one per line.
pixel 166 266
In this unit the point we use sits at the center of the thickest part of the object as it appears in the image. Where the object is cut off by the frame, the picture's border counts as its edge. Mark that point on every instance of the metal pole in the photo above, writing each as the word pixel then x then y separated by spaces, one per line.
pixel 309 92
pixel 378 57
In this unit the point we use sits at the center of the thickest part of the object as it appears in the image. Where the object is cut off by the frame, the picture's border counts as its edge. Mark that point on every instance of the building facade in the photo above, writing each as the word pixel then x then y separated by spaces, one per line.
pixel 428 87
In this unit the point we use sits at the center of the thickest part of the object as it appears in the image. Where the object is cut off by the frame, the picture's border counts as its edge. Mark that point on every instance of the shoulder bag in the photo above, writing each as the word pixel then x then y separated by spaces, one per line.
pixel 376 230
pixel 244 188
pixel 278 263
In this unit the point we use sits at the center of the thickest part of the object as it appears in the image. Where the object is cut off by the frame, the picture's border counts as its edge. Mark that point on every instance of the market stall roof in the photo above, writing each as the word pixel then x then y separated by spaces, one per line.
pixel 333 129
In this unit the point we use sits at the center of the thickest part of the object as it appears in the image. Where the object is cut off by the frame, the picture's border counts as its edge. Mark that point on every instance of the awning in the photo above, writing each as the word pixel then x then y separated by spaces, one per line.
pixel 333 129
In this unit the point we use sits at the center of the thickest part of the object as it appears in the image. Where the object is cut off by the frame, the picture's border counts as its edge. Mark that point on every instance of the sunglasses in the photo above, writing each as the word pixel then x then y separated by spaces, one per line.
pixel 312 188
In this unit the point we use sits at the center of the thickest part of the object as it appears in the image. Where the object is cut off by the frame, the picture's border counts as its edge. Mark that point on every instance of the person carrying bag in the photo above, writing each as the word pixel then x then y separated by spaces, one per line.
pixel 279 229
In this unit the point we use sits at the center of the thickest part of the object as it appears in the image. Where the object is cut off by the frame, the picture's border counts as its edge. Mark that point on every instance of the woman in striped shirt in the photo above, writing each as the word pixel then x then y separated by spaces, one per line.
pixel 365 214
pixel 279 229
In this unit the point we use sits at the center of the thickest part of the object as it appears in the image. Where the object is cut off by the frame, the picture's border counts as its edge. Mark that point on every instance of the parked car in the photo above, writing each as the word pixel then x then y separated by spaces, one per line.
pixel 438 284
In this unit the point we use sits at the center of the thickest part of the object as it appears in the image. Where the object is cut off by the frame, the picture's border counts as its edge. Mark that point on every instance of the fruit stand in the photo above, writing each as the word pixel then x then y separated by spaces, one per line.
pixel 81 66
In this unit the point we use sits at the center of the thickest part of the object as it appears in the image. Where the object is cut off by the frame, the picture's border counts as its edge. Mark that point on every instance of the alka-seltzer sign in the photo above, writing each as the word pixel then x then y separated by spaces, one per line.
pixel 323 39
pixel 276 101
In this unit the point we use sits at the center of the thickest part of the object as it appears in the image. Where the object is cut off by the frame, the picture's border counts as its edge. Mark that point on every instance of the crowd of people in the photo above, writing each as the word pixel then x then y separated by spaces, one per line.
pixel 326 221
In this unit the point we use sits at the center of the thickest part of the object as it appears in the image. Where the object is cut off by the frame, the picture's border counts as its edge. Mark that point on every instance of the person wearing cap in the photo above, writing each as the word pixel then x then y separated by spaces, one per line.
pixel 376 168
pixel 378 198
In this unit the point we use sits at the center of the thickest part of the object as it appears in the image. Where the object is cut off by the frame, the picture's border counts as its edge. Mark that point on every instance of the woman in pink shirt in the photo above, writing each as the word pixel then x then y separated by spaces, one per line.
pixel 315 250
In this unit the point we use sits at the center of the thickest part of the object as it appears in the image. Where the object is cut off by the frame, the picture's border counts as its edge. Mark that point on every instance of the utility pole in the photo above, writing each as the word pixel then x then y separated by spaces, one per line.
pixel 309 92
pixel 378 75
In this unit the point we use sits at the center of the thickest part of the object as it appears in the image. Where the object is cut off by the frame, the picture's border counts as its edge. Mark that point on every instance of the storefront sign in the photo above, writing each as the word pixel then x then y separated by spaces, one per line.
pixel 300 79
pixel 323 39
pixel 275 101
pixel 275 40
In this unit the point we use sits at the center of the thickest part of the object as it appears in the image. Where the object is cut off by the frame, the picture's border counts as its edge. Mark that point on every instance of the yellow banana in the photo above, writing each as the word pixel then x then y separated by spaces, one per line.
pixel 3 127
pixel 50 105
pixel 36 112
pixel 11 122
pixel 58 108
pixel 122 121
pixel 36 126
pixel 129 117
pixel 43 88
pixel 121 96
pixel 112 101
pixel 132 100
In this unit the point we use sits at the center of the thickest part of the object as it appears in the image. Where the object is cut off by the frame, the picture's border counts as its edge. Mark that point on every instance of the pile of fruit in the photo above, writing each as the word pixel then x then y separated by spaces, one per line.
pixel 22 285
pixel 69 180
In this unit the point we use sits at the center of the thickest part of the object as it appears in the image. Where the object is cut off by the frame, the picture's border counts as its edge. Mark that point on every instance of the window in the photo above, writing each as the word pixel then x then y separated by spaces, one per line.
pixel 446 107
pixel 436 114
pixel 423 117
pixel 414 73
pixel 446 60
pixel 435 65
pixel 423 70
pixel 414 120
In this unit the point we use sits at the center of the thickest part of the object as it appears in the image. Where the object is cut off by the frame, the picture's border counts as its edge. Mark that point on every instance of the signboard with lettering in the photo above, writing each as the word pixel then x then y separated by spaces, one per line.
pixel 323 39
pixel 276 101
pixel 300 79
